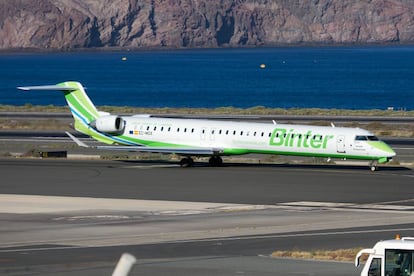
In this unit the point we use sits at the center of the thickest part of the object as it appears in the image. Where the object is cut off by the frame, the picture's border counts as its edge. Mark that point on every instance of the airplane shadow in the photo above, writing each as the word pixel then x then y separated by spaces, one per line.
pixel 175 164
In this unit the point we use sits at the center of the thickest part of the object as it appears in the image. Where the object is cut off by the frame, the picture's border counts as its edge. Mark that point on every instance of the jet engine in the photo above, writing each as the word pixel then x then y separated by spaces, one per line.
pixel 109 124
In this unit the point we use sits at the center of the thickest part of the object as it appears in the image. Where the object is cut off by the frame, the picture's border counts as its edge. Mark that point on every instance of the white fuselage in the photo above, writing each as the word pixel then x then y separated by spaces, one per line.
pixel 242 137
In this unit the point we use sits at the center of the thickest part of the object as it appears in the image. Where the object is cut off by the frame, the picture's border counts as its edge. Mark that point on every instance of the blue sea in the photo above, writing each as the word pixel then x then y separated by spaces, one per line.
pixel 298 77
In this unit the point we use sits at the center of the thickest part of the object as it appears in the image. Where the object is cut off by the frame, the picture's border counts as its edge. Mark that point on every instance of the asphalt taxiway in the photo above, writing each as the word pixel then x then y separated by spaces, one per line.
pixel 72 217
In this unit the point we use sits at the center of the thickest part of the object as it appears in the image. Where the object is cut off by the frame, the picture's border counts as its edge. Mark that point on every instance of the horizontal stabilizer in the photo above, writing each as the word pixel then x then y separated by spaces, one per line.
pixel 77 141
pixel 47 88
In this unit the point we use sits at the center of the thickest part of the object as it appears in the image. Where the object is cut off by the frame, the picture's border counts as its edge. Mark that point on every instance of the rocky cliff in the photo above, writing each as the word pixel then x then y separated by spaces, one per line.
pixel 66 24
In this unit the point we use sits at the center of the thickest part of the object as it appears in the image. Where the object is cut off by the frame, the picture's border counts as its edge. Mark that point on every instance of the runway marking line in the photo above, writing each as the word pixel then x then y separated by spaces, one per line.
pixel 363 206
pixel 314 234
pixel 293 235
pixel 42 248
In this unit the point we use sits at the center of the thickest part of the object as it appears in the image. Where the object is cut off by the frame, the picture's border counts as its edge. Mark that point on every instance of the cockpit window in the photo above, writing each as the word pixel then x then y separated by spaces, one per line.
pixel 361 138
pixel 366 138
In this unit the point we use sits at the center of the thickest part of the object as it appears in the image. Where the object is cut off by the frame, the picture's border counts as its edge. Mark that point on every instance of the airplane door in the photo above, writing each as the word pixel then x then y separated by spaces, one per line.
pixel 340 144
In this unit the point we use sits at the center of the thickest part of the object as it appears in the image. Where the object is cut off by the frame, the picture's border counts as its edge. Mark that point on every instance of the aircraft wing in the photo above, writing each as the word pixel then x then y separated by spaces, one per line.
pixel 181 151
pixel 198 151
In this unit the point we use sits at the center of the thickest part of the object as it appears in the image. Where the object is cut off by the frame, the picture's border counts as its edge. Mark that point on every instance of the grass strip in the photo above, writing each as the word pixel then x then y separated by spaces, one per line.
pixel 339 255
pixel 257 110
pixel 378 128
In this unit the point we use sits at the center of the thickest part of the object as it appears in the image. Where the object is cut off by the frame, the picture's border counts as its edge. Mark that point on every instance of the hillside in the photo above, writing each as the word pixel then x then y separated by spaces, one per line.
pixel 67 24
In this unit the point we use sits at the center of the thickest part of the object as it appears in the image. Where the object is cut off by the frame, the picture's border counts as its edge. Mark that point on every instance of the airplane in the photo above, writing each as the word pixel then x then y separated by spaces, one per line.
pixel 189 138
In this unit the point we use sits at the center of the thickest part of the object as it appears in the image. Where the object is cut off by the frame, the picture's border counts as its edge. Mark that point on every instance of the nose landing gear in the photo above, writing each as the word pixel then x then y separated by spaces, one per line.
pixel 373 165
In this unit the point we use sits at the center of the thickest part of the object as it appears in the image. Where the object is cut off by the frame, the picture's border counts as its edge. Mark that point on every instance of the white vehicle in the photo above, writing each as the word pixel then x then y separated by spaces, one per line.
pixel 194 137
pixel 389 258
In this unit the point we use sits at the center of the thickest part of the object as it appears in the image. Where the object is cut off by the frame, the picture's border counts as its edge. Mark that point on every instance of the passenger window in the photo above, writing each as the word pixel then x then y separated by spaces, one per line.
pixel 373 138
pixel 162 128
pixel 241 133
pixel 227 132
pixel 192 130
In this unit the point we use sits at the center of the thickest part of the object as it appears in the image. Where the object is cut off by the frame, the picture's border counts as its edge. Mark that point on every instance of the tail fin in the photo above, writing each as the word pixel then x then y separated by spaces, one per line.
pixel 82 108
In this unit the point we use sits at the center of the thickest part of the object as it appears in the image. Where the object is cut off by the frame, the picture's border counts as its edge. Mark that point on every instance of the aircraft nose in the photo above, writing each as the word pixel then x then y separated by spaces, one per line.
pixel 384 149
pixel 390 152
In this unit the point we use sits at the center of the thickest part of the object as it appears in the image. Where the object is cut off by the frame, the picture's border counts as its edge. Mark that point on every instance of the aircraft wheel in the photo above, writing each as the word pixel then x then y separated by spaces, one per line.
pixel 215 161
pixel 186 162
pixel 374 166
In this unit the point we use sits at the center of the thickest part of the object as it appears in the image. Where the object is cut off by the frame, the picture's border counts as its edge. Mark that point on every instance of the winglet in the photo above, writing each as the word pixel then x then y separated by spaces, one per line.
pixel 77 141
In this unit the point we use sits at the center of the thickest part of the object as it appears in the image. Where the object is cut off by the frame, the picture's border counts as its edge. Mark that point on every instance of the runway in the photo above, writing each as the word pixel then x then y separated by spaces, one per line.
pixel 233 183
pixel 207 221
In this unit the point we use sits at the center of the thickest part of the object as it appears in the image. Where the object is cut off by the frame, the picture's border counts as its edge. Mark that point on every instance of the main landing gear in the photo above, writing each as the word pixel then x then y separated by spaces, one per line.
pixel 214 161
pixel 186 162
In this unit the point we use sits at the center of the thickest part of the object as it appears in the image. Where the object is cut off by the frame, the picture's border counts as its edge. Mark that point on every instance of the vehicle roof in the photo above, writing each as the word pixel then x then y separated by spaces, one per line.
pixel 403 243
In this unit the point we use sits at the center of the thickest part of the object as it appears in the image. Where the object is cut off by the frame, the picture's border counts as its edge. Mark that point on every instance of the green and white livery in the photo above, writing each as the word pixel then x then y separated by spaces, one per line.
pixel 214 138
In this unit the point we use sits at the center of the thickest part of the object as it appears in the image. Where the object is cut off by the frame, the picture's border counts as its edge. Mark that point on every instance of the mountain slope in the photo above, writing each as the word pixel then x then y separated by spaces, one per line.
pixel 65 24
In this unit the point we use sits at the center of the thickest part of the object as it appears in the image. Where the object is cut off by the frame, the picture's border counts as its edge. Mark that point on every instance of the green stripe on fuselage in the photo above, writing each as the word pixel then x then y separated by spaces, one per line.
pixel 236 151
pixel 78 100
pixel 381 146
pixel 150 143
